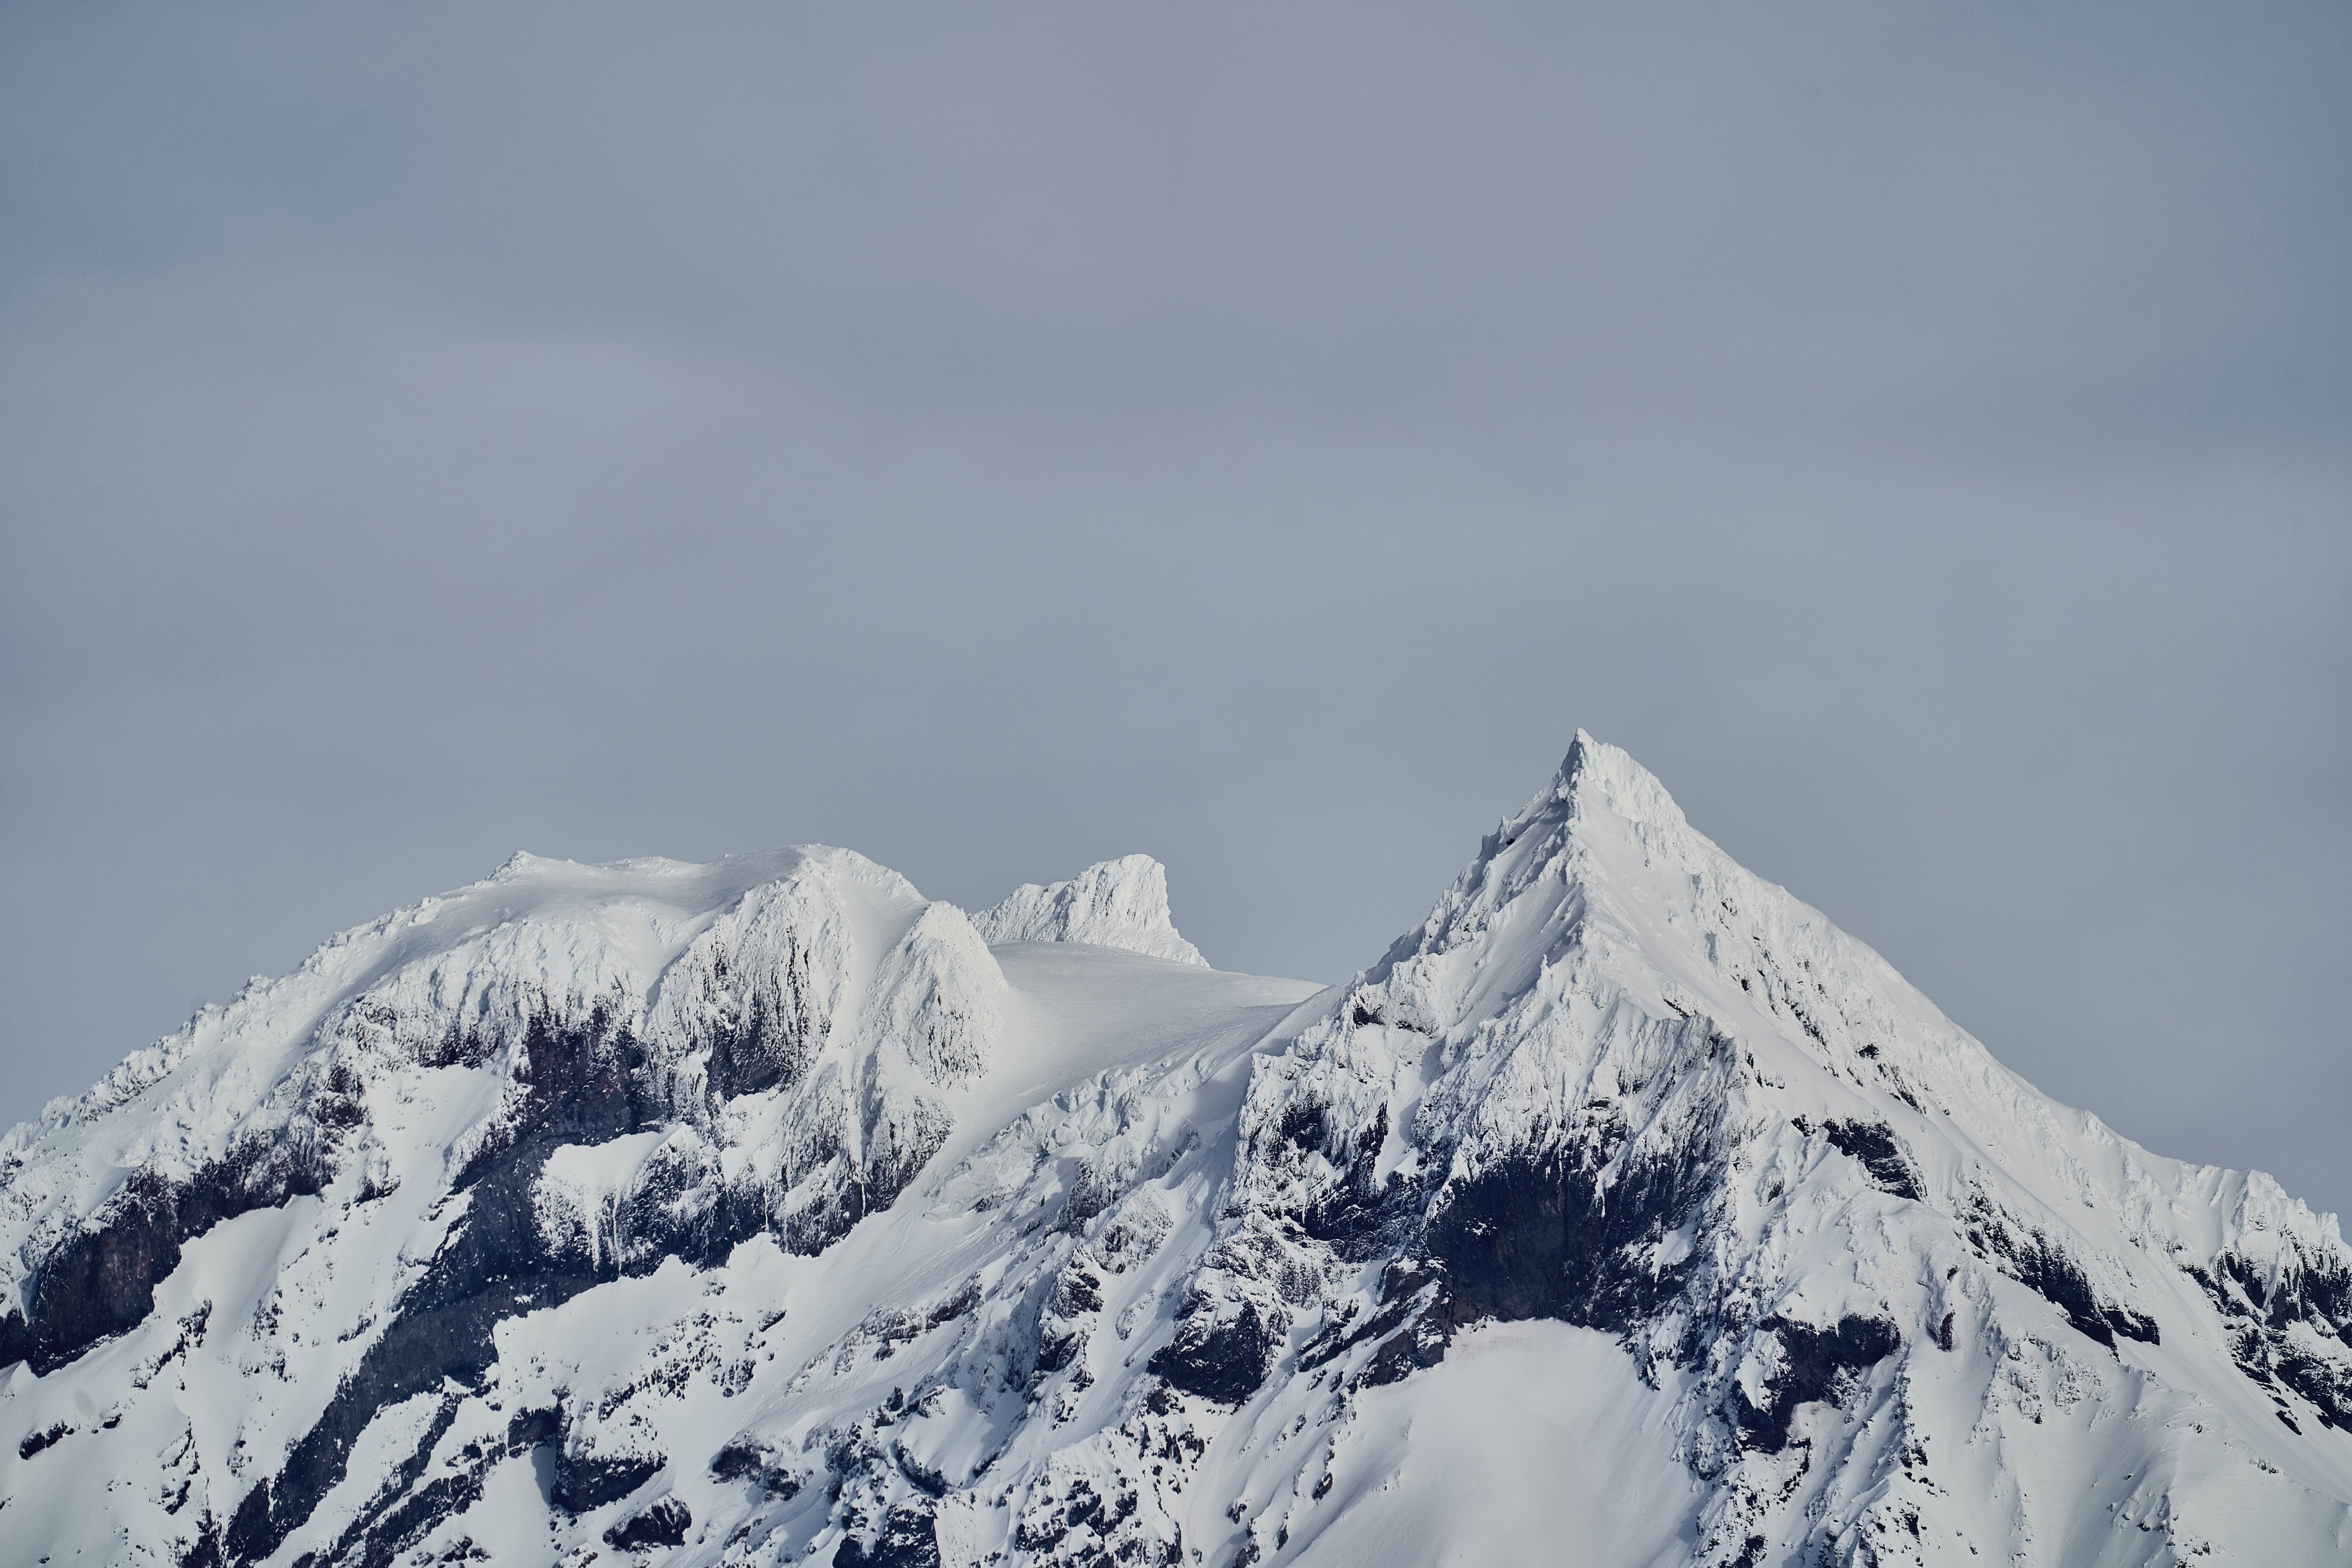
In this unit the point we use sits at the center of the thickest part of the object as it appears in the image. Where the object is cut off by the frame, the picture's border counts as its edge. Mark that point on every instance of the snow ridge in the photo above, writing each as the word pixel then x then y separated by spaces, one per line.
pixel 1117 903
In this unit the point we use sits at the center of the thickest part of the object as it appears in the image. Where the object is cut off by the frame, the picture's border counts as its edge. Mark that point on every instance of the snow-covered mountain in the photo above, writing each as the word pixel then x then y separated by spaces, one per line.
pixel 1625 1212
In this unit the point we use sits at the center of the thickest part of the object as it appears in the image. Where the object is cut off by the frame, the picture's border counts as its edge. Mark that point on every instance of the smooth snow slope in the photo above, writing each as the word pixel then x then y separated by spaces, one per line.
pixel 1625 1212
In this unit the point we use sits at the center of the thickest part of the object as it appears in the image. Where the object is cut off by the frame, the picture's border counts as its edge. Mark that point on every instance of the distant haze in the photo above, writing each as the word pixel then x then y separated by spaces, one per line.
pixel 998 438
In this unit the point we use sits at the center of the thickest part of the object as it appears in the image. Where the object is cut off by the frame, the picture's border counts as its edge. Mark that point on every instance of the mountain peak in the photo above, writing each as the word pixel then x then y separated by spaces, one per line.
pixel 1597 776
pixel 1119 903
pixel 1550 852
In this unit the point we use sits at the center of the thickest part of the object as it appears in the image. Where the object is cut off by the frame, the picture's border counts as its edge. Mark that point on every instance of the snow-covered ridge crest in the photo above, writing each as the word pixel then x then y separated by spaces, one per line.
pixel 799 1015
pixel 1117 903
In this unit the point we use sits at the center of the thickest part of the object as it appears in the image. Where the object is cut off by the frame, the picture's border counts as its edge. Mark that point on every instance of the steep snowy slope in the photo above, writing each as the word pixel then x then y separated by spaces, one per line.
pixel 1625 1212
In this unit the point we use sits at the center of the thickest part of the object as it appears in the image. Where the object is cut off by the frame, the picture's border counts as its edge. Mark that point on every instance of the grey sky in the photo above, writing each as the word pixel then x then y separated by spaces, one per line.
pixel 999 437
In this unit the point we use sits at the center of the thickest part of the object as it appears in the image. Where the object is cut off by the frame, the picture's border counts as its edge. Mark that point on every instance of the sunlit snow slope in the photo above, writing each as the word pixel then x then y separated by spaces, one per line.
pixel 1625 1212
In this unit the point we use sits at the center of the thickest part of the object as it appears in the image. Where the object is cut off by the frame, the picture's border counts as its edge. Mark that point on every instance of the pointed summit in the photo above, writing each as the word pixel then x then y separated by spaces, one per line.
pixel 1547 858
pixel 1596 775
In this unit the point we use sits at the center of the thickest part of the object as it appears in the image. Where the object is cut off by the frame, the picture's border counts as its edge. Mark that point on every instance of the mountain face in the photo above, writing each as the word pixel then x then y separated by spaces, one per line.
pixel 1625 1212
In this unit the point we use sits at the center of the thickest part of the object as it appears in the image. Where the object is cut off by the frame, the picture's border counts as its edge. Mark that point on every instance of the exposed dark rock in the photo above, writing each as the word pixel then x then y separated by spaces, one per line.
pixel 40 1440
pixel 663 1524
pixel 1083 1526
pixel 1224 1361
pixel 933 1483
pixel 1882 1154
pixel 907 1540
pixel 2261 1310
pixel 492 1267
pixel 738 1460
pixel 395 1515
pixel 1057 1346
pixel 1090 1193
pixel 579 1087
pixel 2040 1264
pixel 782 1024
pixel 2318 1292
pixel 530 1429
pixel 1535 1237
pixel 1364 1216
pixel 743 1459
pixel 1420 1343
pixel 2326 1384
pixel 1541 1237
pixel 583 1482
pixel 1076 1290
pixel 418 1510
pixel 1819 1364
pixel 101 1281
pixel 1414 1323
pixel 838 1208
pixel 205 1551
pixel 1302 1126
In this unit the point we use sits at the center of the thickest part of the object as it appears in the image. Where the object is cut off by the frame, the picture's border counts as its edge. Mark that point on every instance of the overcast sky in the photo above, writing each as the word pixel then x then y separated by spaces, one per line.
pixel 998 437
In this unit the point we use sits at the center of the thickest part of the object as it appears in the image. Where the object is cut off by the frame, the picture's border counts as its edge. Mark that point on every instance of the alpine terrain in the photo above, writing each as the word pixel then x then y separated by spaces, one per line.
pixel 1624 1211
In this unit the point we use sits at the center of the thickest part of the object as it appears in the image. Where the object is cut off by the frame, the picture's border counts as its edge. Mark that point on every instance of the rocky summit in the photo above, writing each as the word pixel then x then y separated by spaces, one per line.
pixel 1624 1211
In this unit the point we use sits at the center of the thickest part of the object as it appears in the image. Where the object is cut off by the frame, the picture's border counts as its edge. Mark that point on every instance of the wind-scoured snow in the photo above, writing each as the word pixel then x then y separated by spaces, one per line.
pixel 1625 1212
pixel 1114 903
